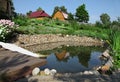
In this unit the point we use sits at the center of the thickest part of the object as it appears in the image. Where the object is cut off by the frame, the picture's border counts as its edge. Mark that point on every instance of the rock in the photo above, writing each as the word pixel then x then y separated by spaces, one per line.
pixel 105 68
pixel 86 72
pixel 90 72
pixel 119 69
pixel 47 71
pixel 96 72
pixel 53 72
pixel 109 62
pixel 35 71
pixel 42 73
pixel 87 80
pixel 106 53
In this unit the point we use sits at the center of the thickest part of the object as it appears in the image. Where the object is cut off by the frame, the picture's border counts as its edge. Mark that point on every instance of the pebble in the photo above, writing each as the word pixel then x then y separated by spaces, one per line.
pixel 42 73
pixel 86 72
pixel 90 72
pixel 35 71
pixel 47 71
pixel 53 72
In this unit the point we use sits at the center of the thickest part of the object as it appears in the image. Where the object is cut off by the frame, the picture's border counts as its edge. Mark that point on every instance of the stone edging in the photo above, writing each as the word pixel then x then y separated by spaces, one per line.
pixel 27 40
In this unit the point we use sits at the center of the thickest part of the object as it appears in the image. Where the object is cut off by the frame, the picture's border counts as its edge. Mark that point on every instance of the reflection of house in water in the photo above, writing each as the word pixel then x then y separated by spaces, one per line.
pixel 84 58
pixel 62 55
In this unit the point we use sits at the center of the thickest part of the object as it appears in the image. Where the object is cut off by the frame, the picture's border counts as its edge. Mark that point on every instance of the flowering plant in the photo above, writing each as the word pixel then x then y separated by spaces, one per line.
pixel 6 27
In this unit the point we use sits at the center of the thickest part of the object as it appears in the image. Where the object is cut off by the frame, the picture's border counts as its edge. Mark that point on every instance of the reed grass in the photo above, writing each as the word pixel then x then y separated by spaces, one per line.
pixel 115 45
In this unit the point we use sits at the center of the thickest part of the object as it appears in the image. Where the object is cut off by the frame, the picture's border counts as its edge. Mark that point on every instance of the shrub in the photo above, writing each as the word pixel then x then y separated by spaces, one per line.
pixel 6 28
pixel 21 20
pixel 75 25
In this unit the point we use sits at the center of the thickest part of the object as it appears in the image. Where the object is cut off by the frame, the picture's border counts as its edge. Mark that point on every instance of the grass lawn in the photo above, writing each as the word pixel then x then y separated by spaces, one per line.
pixel 50 26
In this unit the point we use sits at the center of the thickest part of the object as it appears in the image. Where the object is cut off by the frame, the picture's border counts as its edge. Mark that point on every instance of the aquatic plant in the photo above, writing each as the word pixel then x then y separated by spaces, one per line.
pixel 116 47
pixel 114 42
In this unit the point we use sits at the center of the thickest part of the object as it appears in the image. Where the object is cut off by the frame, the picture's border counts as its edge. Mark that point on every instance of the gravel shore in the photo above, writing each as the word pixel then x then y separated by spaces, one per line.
pixel 74 77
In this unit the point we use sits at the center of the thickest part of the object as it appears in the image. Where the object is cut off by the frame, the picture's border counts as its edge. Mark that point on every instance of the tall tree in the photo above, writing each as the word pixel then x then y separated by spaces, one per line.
pixel 105 19
pixel 6 9
pixel 57 8
pixel 3 8
pixel 82 14
pixel 70 17
pixel 63 9
pixel 39 9
pixel 29 12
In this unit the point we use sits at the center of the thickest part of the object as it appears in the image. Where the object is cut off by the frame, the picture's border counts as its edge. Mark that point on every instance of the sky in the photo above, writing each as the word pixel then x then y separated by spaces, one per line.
pixel 94 7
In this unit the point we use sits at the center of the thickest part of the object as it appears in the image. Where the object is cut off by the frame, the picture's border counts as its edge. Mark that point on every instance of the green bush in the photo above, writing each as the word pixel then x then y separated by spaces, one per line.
pixel 7 28
pixel 21 20
pixel 114 42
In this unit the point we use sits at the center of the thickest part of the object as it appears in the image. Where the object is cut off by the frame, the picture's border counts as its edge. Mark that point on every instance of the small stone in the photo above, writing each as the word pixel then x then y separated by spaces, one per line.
pixel 67 35
pixel 87 80
pixel 81 73
pixel 90 72
pixel 106 54
pixel 47 71
pixel 96 72
pixel 86 72
pixel 53 72
pixel 119 69
pixel 35 71
pixel 42 73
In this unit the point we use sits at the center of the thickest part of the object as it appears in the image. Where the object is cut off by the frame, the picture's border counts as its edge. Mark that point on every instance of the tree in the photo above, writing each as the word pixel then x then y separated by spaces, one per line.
pixel 82 14
pixel 6 9
pixel 57 8
pixel 63 9
pixel 105 19
pixel 70 17
pixel 29 12
pixel 39 9
pixel 116 24
pixel 98 24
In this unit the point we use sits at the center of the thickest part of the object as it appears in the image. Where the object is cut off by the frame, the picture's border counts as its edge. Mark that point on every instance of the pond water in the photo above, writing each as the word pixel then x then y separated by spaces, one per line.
pixel 72 59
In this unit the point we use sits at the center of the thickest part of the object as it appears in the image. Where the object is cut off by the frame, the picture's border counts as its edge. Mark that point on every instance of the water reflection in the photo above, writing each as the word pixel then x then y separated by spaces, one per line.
pixel 72 58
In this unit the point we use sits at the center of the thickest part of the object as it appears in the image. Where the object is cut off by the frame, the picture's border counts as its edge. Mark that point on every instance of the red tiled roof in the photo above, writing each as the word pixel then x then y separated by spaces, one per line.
pixel 38 14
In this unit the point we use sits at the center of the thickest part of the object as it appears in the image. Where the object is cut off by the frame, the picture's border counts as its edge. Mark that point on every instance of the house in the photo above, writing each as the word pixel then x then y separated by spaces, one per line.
pixel 60 15
pixel 62 55
pixel 39 14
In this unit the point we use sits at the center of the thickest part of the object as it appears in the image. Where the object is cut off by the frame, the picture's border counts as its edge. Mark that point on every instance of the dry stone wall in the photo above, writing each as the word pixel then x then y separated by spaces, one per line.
pixel 27 40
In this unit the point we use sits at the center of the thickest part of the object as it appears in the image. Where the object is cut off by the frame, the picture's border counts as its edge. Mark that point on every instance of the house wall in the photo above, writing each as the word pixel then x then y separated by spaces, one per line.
pixel 58 15
pixel 40 18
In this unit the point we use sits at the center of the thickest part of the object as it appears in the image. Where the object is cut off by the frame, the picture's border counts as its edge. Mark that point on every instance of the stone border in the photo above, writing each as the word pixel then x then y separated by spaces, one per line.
pixel 27 40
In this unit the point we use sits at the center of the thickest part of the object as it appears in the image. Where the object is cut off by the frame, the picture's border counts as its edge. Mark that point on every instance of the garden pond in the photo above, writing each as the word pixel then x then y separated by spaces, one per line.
pixel 71 59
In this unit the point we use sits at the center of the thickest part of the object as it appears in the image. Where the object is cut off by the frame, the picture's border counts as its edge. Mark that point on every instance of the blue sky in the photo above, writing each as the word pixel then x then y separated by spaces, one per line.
pixel 94 7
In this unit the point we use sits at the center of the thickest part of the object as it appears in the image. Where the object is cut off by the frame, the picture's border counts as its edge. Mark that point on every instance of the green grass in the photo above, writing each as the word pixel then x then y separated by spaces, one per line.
pixel 50 26
pixel 114 42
